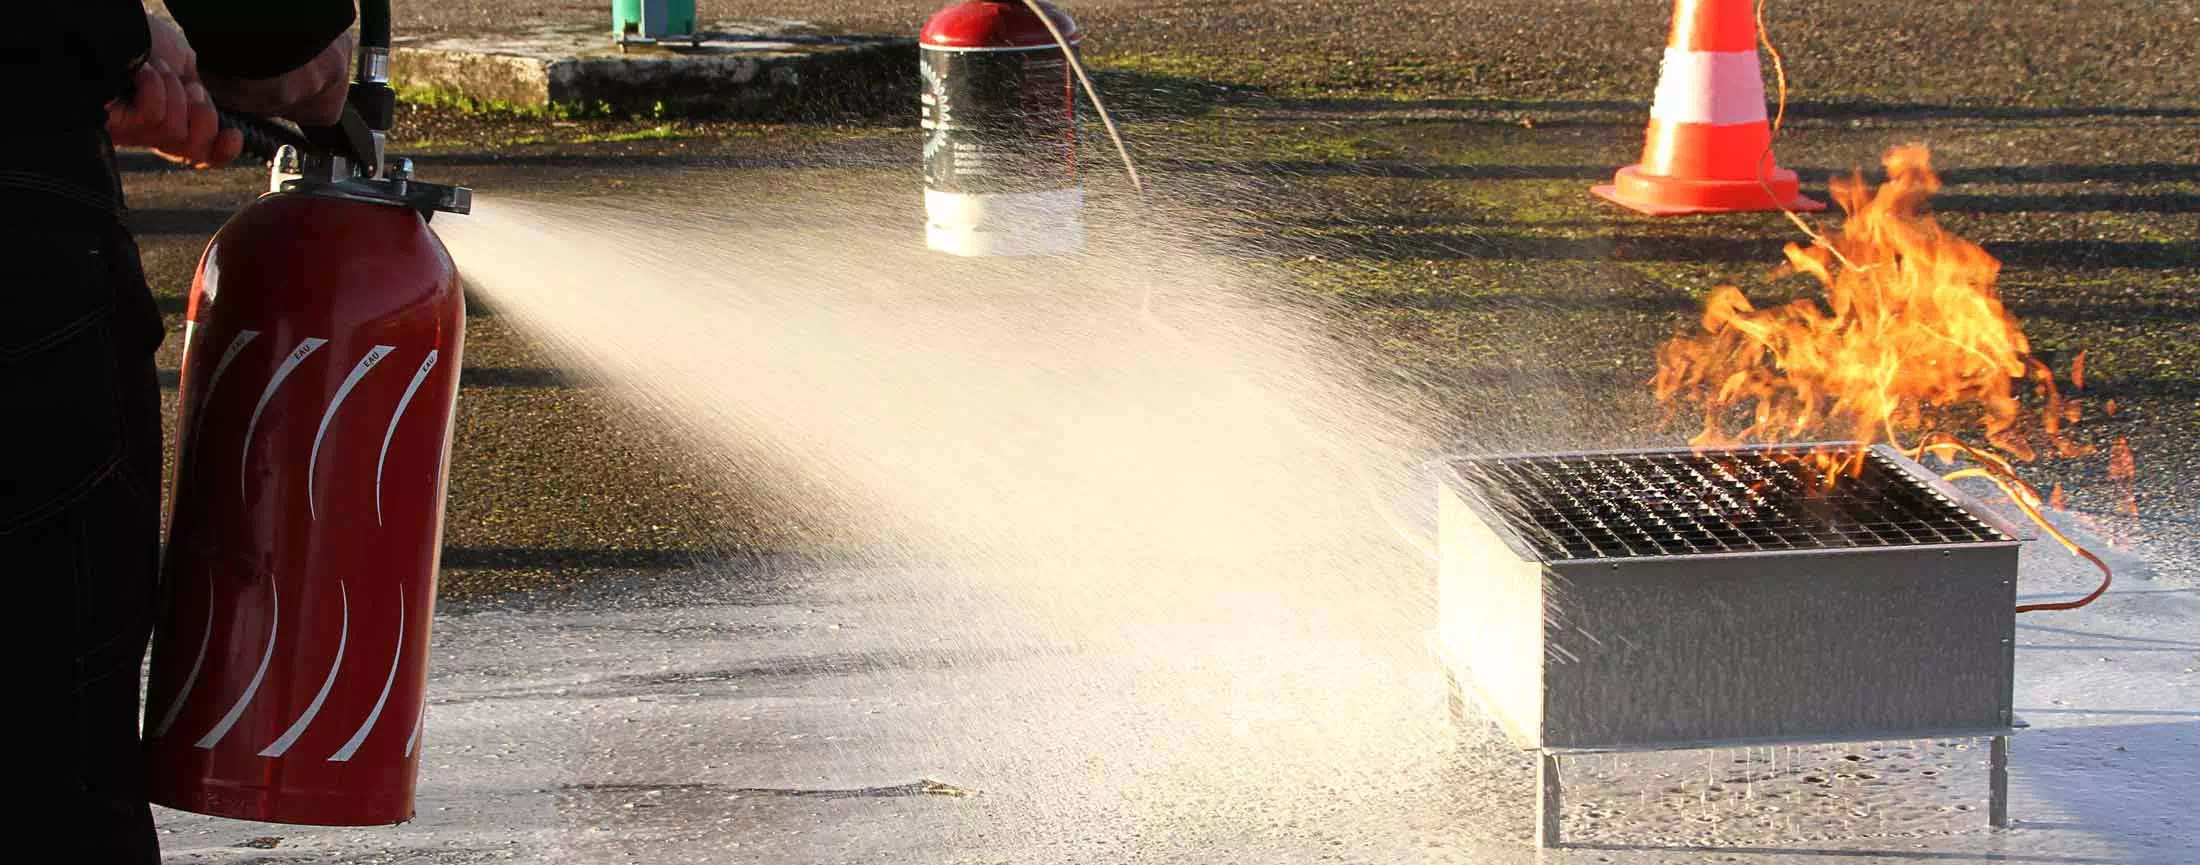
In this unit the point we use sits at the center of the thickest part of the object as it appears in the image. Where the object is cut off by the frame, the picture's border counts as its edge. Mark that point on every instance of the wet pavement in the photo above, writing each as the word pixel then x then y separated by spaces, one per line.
pixel 766 711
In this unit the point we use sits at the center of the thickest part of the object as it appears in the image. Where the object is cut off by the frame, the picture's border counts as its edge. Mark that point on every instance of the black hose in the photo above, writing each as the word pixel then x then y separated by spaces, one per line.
pixel 374 24
pixel 262 136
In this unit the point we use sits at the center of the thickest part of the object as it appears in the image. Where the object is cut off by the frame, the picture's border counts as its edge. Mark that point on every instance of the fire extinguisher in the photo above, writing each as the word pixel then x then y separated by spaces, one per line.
pixel 319 381
pixel 1000 131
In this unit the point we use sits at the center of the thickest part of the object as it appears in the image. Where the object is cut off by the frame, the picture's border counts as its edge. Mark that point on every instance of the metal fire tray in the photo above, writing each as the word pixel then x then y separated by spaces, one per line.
pixel 1666 599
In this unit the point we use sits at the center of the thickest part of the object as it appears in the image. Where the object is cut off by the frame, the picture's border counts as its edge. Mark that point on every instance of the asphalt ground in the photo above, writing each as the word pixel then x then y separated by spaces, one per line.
pixel 1448 211
pixel 2122 53
pixel 1425 164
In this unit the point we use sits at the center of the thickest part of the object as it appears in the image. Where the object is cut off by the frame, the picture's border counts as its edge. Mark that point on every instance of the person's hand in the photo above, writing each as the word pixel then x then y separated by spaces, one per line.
pixel 312 95
pixel 168 108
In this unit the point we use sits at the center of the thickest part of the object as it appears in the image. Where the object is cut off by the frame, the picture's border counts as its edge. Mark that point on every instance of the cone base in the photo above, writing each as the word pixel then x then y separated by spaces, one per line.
pixel 1674 196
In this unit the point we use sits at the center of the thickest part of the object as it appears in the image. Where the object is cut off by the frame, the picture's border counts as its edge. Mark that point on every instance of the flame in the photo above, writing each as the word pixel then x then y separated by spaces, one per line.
pixel 1909 338
pixel 2055 499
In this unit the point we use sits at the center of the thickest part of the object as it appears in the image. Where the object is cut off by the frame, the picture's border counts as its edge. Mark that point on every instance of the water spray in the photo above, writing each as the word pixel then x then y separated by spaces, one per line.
pixel 319 381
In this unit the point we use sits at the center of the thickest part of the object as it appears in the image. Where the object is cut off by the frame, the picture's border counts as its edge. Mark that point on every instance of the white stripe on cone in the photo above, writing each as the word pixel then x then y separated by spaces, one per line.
pixel 1709 87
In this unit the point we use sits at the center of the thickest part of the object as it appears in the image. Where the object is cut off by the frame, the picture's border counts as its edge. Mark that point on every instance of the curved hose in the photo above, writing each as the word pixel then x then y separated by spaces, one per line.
pixel 263 136
pixel 1091 92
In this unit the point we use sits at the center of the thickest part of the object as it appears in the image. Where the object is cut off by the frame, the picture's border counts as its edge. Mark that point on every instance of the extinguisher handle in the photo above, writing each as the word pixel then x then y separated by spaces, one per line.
pixel 350 138
pixel 263 136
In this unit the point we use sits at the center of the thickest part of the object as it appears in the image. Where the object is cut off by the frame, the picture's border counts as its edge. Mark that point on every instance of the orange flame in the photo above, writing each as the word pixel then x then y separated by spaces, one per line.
pixel 1910 337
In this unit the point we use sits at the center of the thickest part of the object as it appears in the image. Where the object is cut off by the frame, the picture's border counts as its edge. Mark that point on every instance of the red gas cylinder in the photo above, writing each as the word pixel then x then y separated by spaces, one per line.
pixel 319 380
pixel 1000 121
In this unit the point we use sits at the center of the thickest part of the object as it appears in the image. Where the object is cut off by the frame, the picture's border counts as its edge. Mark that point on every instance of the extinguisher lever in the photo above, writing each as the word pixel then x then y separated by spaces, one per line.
pixel 355 138
pixel 350 139
pixel 262 136
pixel 346 160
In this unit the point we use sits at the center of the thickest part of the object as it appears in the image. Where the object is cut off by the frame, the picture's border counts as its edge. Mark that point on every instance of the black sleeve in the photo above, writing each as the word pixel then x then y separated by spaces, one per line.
pixel 68 57
pixel 260 38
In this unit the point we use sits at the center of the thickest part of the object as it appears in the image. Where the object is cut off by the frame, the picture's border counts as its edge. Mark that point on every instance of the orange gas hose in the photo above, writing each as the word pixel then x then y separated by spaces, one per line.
pixel 1779 117
pixel 2107 576
pixel 1991 466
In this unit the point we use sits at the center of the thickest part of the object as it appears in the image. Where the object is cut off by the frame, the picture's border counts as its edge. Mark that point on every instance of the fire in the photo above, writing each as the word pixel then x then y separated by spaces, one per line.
pixel 1908 340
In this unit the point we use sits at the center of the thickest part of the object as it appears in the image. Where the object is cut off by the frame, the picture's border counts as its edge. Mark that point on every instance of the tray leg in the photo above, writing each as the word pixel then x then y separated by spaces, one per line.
pixel 1997 773
pixel 1547 800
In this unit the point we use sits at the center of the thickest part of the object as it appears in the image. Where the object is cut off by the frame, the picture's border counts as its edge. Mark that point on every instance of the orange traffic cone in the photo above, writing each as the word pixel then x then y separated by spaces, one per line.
pixel 1710 147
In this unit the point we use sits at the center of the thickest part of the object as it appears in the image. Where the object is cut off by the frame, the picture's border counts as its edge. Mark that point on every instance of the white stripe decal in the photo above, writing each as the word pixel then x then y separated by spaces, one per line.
pixel 418 726
pixel 358 371
pixel 305 349
pixel 168 718
pixel 198 416
pixel 1716 87
pixel 344 753
pixel 298 728
pixel 402 402
pixel 275 619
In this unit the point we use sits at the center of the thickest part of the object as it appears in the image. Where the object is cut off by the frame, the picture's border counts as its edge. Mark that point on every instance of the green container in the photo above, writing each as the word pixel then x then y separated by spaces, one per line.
pixel 665 18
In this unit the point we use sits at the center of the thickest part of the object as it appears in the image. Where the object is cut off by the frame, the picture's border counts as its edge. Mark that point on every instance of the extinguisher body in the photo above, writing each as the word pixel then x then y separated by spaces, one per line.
pixel 1000 122
pixel 319 382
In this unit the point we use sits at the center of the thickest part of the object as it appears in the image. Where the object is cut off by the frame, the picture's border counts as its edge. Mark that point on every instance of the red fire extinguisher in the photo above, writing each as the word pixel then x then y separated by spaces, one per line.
pixel 319 379
pixel 1000 123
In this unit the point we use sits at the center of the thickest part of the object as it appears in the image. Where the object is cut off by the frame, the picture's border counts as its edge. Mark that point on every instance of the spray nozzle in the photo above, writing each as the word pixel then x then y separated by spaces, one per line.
pixel 347 160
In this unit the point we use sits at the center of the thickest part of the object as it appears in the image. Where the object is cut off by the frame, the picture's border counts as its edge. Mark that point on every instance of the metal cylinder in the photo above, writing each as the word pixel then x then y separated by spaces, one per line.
pixel 1000 119
pixel 651 20
pixel 319 382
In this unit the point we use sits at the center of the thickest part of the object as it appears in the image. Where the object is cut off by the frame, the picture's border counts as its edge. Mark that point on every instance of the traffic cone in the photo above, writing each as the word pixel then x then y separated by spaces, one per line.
pixel 1709 147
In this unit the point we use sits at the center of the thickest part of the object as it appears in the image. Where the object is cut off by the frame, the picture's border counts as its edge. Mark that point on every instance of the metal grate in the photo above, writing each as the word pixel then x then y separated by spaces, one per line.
pixel 1668 503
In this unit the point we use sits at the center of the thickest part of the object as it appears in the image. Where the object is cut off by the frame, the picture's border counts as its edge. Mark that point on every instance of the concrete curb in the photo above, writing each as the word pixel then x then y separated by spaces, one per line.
pixel 758 70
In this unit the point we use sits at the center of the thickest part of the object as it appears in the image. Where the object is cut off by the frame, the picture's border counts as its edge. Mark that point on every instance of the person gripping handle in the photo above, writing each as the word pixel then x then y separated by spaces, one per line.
pixel 79 511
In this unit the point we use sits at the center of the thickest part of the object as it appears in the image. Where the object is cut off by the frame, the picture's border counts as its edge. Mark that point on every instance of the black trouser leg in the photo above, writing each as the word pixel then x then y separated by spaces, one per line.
pixel 97 562
pixel 83 573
